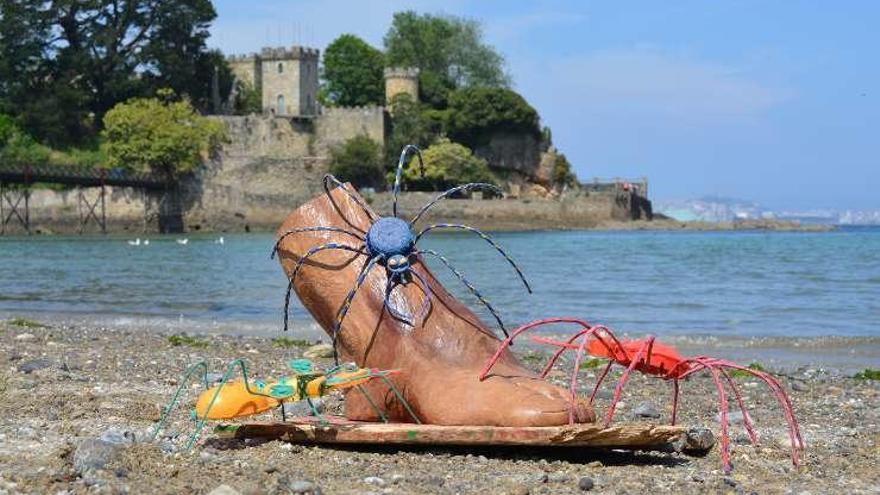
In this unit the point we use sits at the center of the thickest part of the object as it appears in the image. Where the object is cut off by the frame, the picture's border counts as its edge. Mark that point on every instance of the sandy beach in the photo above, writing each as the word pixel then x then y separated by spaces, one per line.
pixel 79 401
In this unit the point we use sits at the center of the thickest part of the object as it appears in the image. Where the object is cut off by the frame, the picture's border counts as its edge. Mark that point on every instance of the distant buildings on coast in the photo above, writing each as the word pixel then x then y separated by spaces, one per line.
pixel 716 209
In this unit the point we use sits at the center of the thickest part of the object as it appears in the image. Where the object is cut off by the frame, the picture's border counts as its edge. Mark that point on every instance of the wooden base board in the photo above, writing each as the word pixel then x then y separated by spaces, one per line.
pixel 335 430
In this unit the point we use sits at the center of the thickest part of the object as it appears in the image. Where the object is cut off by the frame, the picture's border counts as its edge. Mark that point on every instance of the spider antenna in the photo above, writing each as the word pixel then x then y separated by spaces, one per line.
pixel 483 236
pixel 455 190
pixel 400 163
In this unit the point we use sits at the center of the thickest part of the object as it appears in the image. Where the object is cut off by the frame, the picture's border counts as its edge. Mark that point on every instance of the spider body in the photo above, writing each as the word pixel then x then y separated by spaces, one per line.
pixel 392 243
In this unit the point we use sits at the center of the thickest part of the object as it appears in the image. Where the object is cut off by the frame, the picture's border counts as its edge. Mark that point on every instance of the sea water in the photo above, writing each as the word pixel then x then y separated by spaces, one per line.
pixel 764 284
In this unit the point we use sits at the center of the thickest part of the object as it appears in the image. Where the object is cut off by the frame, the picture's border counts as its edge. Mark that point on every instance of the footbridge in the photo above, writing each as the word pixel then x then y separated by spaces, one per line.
pixel 17 181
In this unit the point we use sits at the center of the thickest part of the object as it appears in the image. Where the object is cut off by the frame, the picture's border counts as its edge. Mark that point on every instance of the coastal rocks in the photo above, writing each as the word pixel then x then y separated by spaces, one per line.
pixel 646 410
pixel 25 337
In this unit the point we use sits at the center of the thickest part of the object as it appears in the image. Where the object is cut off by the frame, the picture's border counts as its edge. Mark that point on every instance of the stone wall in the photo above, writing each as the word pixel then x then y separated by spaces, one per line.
pixel 271 165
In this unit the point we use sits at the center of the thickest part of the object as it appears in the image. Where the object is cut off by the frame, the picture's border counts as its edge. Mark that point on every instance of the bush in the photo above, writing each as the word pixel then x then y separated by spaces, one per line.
pixel 447 164
pixel 359 161
pixel 477 113
pixel 562 173
pixel 19 148
pixel 165 136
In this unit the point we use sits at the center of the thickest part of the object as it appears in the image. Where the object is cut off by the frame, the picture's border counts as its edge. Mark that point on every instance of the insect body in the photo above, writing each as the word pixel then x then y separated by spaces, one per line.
pixel 236 399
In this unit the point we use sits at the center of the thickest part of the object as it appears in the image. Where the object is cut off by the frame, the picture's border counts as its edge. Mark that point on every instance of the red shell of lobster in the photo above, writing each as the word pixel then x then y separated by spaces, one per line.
pixel 651 357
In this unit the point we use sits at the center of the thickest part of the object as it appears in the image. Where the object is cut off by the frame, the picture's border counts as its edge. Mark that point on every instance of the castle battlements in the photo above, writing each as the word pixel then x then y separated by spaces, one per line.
pixel 295 52
pixel 401 73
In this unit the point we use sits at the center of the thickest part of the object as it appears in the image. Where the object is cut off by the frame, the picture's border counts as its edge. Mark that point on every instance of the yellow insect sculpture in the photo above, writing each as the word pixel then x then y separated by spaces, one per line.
pixel 235 399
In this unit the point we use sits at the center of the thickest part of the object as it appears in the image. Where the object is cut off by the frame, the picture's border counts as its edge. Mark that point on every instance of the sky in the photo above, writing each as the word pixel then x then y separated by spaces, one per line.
pixel 774 102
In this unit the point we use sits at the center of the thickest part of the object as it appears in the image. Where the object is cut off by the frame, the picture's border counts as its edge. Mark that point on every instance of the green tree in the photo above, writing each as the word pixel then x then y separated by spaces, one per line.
pixel 474 114
pixel 353 73
pixel 449 51
pixel 165 136
pixel 563 175
pixel 410 124
pixel 447 164
pixel 17 147
pixel 359 161
pixel 64 63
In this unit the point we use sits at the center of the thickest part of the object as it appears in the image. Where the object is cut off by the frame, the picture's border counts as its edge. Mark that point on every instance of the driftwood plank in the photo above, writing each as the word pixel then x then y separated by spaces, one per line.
pixel 340 431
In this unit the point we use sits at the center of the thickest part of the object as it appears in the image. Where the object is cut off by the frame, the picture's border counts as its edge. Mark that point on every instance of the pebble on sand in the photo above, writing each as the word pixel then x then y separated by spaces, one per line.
pixel 93 453
pixel 646 410
pixel 28 367
pixel 586 483
pixel 224 490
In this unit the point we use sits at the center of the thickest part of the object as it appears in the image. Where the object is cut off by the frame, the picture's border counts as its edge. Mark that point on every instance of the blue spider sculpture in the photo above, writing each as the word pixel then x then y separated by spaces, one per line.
pixel 391 242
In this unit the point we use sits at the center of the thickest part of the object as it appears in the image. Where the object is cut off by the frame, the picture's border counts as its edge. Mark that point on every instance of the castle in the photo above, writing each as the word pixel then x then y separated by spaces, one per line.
pixel 287 80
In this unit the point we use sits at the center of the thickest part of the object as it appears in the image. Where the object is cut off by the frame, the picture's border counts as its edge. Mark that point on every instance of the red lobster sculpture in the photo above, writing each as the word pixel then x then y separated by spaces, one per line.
pixel 651 357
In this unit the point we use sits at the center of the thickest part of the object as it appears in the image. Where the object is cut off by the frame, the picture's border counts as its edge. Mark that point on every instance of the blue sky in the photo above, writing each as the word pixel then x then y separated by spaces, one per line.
pixel 777 102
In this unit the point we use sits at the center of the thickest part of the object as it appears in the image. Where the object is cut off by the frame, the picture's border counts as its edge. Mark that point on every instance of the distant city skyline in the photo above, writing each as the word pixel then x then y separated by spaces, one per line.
pixel 776 103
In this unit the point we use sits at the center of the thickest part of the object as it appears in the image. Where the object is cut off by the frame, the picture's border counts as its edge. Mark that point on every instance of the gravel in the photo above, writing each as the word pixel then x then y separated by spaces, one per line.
pixel 87 429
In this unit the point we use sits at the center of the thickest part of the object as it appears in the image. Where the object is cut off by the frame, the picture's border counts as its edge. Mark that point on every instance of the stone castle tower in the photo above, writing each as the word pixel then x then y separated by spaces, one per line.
pixel 287 79
pixel 401 80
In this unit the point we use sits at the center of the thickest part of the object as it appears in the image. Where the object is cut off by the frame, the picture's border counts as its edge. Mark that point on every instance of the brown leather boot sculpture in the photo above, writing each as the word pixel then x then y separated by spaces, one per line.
pixel 439 357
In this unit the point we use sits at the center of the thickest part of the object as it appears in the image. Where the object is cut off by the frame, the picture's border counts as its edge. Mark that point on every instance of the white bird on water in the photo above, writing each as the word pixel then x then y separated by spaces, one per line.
pixel 220 240
pixel 183 242
pixel 146 242
pixel 136 242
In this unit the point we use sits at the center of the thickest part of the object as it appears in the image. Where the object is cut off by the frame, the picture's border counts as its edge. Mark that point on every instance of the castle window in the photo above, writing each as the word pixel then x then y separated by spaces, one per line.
pixel 280 68
pixel 280 105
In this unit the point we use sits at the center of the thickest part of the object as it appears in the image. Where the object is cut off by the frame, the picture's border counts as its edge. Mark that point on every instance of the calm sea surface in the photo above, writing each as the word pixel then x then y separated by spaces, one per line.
pixel 669 283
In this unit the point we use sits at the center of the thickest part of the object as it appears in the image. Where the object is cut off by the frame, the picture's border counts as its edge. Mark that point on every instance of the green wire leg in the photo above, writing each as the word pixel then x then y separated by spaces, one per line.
pixel 184 382
pixel 372 404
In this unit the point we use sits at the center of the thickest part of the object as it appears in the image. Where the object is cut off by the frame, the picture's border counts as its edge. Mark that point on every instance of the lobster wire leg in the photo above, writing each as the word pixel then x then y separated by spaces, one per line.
pixel 747 421
pixel 675 393
pixel 797 441
pixel 508 341
pixel 620 383
pixel 230 368
pixel 722 406
pixel 563 346
pixel 310 229
pixel 372 404
pixel 483 236
pixel 400 163
pixel 184 383
pixel 336 182
pixel 400 399
pixel 346 304
pixel 450 192
pixel 311 252
pixel 793 428
pixel 574 374
pixel 470 287
pixel 601 379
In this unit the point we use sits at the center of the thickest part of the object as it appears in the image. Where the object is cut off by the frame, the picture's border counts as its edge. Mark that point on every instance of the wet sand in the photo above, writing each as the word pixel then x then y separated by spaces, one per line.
pixel 66 386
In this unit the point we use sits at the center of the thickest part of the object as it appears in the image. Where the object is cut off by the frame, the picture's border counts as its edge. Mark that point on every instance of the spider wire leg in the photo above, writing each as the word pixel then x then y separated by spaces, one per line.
pixel 336 182
pixel 454 190
pixel 470 287
pixel 346 304
pixel 389 288
pixel 311 252
pixel 301 230
pixel 428 300
pixel 483 236
pixel 400 163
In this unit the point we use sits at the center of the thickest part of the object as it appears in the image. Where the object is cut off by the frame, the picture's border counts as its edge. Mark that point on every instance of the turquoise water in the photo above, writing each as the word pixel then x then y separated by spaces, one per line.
pixel 668 283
